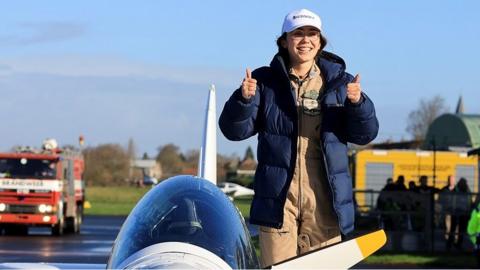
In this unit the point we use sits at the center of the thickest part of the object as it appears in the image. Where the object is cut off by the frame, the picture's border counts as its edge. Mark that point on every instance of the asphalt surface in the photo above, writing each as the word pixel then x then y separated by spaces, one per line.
pixel 92 245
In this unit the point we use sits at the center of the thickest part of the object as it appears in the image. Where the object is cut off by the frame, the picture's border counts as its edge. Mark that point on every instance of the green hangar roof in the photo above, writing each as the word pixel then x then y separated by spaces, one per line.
pixel 454 130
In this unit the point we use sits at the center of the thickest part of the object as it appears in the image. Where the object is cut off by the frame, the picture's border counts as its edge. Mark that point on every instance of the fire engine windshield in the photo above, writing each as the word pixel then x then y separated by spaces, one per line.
pixel 27 168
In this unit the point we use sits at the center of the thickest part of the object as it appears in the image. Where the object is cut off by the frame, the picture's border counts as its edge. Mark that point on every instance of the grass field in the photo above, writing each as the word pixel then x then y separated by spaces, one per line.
pixel 121 200
pixel 243 204
pixel 435 261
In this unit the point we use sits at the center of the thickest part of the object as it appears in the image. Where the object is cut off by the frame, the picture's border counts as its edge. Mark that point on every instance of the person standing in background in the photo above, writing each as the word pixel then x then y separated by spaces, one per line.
pixel 446 200
pixel 304 108
pixel 460 215
pixel 400 183
pixel 473 229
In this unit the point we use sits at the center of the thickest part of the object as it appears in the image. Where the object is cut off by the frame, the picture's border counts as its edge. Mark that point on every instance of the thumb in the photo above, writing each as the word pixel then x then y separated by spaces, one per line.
pixel 356 79
pixel 248 73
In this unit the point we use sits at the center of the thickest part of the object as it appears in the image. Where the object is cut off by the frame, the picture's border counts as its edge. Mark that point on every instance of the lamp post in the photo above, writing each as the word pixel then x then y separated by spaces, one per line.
pixel 434 161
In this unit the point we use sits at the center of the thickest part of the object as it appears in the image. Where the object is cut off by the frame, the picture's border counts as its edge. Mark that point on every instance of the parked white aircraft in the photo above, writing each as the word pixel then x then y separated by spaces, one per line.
pixel 187 222
pixel 235 190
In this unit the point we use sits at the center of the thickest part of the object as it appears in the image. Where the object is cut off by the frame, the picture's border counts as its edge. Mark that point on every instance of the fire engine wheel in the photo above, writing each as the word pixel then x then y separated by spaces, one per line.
pixel 79 219
pixel 57 229
pixel 73 223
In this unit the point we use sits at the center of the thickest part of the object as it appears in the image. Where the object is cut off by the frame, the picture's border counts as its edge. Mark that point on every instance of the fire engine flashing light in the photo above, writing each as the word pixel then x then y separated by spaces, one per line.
pixel 3 207
pixel 50 144
pixel 81 140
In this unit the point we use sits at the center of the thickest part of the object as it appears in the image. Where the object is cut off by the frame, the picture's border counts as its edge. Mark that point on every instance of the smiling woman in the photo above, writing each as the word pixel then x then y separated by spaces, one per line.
pixel 305 108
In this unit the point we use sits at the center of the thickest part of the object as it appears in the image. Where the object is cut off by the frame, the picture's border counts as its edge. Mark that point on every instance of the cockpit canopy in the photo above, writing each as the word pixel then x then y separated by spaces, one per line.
pixel 189 210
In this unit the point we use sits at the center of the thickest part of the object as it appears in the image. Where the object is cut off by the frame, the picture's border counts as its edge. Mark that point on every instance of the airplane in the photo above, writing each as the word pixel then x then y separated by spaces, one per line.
pixel 187 222
pixel 235 190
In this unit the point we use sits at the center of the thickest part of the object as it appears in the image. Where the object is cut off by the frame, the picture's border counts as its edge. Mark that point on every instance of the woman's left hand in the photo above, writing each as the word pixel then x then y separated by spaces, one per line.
pixel 354 90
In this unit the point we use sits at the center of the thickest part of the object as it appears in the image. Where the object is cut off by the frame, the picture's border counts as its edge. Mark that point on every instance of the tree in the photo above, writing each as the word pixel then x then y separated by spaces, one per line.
pixel 131 152
pixel 131 149
pixel 170 159
pixel 106 164
pixel 191 158
pixel 249 153
pixel 420 119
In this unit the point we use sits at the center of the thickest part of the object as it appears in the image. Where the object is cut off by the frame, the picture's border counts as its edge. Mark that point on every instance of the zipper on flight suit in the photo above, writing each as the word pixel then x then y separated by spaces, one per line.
pixel 299 152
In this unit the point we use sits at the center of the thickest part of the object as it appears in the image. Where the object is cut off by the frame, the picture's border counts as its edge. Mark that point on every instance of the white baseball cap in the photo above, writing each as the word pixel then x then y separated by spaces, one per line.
pixel 298 18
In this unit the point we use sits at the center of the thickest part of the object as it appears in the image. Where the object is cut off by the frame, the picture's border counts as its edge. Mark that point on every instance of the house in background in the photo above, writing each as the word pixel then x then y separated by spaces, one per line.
pixel 146 169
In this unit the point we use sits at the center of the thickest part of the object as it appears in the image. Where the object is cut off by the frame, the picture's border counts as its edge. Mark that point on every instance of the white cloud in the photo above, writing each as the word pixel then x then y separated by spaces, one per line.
pixel 5 70
pixel 111 66
pixel 42 32
pixel 107 101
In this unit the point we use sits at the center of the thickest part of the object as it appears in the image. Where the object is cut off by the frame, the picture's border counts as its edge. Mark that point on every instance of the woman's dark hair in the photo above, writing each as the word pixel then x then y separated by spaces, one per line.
pixel 284 52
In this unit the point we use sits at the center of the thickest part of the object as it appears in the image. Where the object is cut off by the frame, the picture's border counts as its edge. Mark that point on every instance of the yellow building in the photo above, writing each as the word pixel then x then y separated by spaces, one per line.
pixel 372 168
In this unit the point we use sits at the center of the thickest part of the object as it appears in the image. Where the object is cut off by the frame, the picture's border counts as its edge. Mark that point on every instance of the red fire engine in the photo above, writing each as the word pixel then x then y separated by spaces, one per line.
pixel 41 188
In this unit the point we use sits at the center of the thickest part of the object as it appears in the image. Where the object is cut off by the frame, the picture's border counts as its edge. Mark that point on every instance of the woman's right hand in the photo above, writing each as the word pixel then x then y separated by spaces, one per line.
pixel 249 85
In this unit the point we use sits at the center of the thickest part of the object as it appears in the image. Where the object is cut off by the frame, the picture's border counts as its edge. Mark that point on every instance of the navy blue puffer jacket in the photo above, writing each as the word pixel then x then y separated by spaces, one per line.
pixel 272 114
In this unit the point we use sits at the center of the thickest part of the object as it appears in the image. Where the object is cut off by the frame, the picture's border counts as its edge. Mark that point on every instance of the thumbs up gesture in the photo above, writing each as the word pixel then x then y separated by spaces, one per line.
pixel 249 85
pixel 354 90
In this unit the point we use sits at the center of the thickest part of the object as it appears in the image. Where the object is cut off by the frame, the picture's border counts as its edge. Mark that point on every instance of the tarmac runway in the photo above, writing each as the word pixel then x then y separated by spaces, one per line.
pixel 92 245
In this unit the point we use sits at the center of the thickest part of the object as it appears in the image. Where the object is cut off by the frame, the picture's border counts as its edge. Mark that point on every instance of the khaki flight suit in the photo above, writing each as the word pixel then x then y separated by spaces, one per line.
pixel 309 219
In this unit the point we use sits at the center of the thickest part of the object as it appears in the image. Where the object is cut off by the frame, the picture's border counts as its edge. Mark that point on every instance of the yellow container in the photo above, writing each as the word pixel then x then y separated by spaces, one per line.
pixel 372 168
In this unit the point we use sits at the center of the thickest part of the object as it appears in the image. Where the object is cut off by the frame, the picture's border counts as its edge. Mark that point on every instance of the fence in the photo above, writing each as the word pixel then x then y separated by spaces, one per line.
pixel 416 221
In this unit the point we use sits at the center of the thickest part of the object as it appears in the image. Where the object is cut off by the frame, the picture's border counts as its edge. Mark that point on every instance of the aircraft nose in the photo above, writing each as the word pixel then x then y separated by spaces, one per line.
pixel 175 256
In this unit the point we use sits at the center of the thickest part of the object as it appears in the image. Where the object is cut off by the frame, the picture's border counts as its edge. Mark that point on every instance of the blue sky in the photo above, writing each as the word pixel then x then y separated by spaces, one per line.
pixel 112 70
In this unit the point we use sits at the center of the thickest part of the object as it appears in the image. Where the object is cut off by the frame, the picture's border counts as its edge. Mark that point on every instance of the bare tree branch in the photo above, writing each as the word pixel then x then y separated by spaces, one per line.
pixel 420 119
